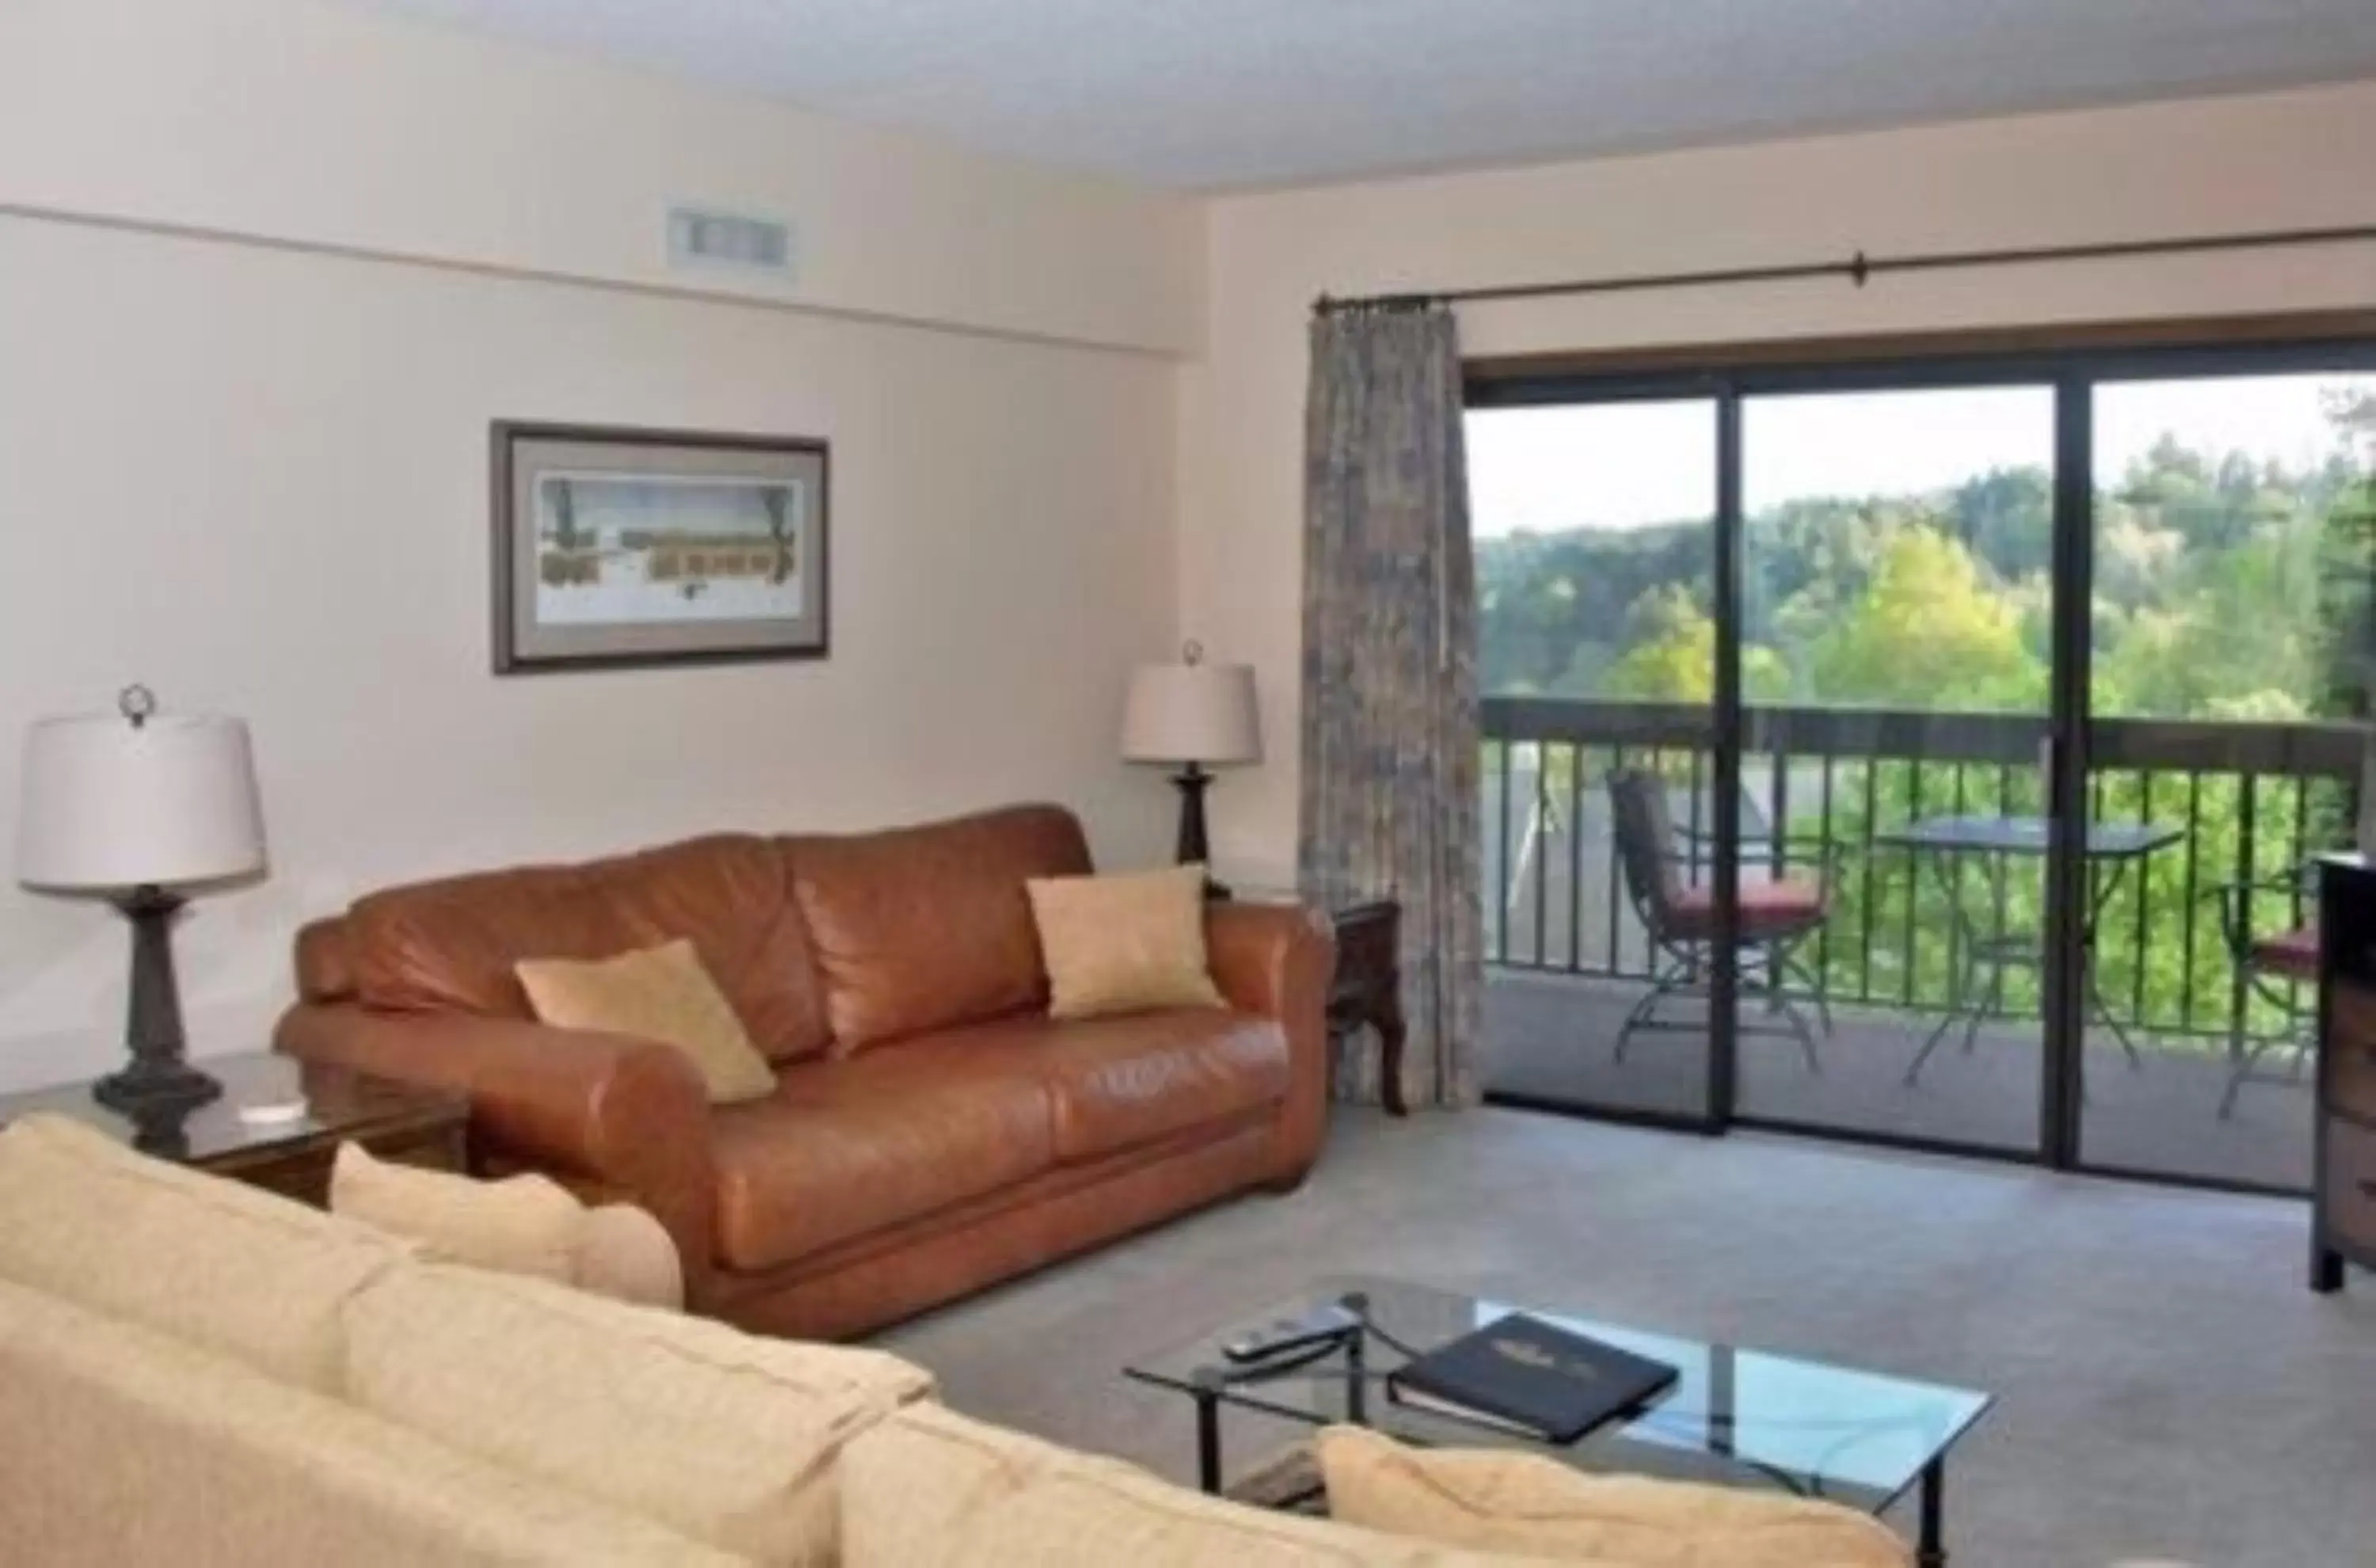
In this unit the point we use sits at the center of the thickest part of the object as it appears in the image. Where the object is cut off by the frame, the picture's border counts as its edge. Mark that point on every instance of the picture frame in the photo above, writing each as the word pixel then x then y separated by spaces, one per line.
pixel 619 547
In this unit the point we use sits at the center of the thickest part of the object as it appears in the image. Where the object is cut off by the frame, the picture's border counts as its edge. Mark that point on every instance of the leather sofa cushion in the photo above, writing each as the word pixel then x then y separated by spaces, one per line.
pixel 920 928
pixel 324 971
pixel 845 1148
pixel 449 946
pixel 1114 1084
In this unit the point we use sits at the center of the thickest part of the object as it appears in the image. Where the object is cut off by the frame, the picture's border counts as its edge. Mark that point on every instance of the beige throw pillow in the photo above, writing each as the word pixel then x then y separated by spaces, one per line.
pixel 526 1224
pixel 661 993
pixel 1129 944
pixel 1527 1505
pixel 626 1255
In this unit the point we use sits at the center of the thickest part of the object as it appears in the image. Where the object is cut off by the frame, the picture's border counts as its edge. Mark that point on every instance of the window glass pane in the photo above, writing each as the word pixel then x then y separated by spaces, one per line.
pixel 1898 610
pixel 1595 528
pixel 1592 528
pixel 2231 640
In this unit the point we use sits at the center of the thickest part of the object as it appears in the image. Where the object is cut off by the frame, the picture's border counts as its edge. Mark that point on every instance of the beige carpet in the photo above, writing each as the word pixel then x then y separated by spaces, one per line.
pixel 2166 1386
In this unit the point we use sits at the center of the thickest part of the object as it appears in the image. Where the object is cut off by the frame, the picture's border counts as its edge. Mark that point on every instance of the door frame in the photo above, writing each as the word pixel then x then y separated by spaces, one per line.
pixel 2072 363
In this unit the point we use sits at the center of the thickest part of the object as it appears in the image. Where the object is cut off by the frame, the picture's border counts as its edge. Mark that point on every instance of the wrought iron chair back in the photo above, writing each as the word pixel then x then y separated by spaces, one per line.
pixel 1645 832
pixel 1647 860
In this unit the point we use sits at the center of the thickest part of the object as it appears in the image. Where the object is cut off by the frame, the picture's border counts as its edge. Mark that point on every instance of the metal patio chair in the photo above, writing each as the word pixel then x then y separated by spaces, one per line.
pixel 1680 917
pixel 2269 967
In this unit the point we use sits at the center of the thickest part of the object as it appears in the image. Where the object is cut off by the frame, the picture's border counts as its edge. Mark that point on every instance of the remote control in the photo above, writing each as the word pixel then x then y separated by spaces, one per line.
pixel 1323 1323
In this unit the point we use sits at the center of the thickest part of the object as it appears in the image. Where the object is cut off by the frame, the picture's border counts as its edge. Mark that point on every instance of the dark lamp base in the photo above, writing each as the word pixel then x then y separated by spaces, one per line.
pixel 151 1085
pixel 1193 781
pixel 157 1081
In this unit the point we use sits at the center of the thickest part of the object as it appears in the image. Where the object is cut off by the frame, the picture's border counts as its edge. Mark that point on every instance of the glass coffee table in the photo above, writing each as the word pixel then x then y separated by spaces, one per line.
pixel 1734 1415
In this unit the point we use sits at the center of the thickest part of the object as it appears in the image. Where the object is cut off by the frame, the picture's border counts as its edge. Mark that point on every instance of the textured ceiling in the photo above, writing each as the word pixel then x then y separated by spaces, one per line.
pixel 1215 93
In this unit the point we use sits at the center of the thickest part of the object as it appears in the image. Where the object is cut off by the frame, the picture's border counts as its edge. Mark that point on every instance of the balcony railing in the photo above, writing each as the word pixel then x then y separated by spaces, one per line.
pixel 2251 801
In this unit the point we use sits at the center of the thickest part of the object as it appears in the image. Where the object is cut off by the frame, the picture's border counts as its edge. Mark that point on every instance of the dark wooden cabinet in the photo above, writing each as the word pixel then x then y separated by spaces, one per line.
pixel 1367 989
pixel 2343 1209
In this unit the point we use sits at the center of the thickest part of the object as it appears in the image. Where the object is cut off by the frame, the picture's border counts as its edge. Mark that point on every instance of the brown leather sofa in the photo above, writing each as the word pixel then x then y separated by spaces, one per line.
pixel 931 1131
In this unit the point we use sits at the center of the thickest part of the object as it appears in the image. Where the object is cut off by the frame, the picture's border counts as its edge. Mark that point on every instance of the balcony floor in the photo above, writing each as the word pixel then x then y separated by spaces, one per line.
pixel 1549 1037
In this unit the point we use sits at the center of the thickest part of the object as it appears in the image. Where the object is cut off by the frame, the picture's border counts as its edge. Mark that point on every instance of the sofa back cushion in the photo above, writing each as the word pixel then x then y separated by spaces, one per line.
pixel 931 1488
pixel 450 947
pixel 238 1271
pixel 123 1446
pixel 920 928
pixel 727 1438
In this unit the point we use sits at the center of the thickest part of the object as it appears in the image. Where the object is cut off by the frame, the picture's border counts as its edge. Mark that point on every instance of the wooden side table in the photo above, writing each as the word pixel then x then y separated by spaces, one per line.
pixel 1367 989
pixel 399 1121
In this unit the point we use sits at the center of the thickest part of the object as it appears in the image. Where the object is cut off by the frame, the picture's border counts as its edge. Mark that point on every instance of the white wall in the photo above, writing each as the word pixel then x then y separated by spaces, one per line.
pixel 2273 161
pixel 327 124
pixel 254 476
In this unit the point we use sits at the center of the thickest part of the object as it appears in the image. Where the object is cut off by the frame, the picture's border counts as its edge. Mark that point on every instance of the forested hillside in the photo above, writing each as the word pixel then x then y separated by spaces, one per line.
pixel 2225 586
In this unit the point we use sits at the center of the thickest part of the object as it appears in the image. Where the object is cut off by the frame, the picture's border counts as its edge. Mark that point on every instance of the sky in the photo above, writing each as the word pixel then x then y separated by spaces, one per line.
pixel 1624 465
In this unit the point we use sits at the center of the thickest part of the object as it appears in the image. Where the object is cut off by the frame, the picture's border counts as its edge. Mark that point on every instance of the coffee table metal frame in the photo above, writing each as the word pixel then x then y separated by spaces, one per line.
pixel 1334 1382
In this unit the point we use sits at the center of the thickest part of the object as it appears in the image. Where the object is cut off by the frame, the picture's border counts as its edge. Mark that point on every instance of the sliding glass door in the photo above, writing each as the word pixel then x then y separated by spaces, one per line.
pixel 1596 530
pixel 2011 695
pixel 2229 532
pixel 1896 605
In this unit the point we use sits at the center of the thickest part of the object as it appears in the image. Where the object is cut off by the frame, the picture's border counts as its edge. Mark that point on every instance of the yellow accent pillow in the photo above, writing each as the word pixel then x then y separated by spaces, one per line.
pixel 1128 944
pixel 1524 1504
pixel 661 993
pixel 526 1224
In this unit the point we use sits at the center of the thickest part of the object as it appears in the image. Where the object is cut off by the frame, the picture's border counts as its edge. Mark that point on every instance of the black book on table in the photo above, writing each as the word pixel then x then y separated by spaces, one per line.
pixel 1523 1376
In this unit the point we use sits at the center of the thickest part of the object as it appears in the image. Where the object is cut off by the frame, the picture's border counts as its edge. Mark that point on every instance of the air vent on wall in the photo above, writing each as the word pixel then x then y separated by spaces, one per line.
pixel 703 237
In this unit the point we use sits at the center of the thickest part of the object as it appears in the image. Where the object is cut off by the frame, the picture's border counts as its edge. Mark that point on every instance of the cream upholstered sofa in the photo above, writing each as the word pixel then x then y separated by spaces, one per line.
pixel 196 1374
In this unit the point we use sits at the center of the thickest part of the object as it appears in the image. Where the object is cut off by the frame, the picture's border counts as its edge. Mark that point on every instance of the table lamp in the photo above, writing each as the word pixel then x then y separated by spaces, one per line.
pixel 1192 714
pixel 141 808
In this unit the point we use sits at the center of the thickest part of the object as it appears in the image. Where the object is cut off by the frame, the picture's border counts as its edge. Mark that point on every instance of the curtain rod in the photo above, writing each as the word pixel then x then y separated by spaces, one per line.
pixel 1859 268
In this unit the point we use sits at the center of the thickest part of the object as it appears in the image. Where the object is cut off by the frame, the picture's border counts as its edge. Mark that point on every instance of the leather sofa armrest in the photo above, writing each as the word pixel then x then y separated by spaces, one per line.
pixel 1277 960
pixel 609 1112
pixel 1269 958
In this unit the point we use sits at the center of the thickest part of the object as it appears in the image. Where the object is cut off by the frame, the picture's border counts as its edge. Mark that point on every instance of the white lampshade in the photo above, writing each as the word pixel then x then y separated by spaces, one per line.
pixel 1200 713
pixel 111 805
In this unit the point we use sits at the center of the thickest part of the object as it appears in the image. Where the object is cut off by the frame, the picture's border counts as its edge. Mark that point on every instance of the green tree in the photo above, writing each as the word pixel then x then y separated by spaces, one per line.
pixel 1929 632
pixel 1673 656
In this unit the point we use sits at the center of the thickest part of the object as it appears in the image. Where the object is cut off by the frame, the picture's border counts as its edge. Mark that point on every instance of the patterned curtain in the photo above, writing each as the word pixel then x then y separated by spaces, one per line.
pixel 1389 804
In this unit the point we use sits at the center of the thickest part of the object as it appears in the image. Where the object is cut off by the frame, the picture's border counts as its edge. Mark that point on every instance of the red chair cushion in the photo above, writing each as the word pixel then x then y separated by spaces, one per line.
pixel 1768 909
pixel 2292 953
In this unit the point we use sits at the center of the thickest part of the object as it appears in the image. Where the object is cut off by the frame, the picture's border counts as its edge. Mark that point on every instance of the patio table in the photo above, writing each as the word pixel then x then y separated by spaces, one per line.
pixel 2110 848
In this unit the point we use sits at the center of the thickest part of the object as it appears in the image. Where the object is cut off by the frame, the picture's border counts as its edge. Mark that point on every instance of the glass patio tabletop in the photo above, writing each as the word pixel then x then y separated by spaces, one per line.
pixel 2027 836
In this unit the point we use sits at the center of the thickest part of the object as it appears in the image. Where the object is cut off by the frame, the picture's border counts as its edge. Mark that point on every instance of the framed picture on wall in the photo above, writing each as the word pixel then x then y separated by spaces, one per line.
pixel 618 547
